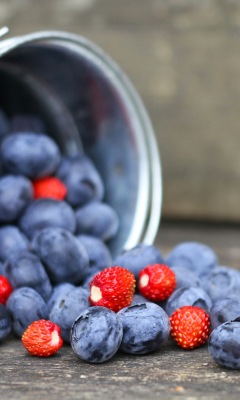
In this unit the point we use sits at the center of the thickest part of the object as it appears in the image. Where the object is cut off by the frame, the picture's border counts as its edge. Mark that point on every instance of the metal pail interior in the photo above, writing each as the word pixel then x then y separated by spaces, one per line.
pixel 89 105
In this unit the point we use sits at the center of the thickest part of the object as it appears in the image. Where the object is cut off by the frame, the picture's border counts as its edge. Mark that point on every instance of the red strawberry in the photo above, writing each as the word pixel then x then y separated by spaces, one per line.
pixel 42 338
pixel 5 289
pixel 190 326
pixel 49 187
pixel 156 282
pixel 112 288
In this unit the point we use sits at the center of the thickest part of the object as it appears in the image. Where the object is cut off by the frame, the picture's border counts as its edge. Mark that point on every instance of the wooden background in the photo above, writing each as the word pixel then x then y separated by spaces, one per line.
pixel 183 56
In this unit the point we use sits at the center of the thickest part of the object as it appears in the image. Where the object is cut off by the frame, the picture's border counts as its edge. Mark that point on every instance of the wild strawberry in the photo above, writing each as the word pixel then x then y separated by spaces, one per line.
pixel 42 338
pixel 156 282
pixel 49 187
pixel 5 289
pixel 190 326
pixel 112 288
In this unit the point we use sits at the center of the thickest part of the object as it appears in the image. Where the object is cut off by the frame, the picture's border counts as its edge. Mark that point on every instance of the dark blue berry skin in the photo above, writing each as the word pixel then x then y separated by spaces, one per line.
pixel 186 278
pixel 96 334
pixel 197 257
pixel 30 154
pixel 27 123
pixel 58 290
pixel 97 219
pixel 188 297
pixel 161 304
pixel 138 298
pixel 16 193
pixel 224 345
pixel 139 258
pixel 98 253
pixel 146 327
pixel 64 257
pixel 221 282
pixel 86 283
pixel 83 181
pixel 4 125
pixel 46 213
pixel 1 269
pixel 67 308
pixel 26 306
pixel 26 269
pixel 235 294
pixel 12 242
pixel 5 322
pixel 224 310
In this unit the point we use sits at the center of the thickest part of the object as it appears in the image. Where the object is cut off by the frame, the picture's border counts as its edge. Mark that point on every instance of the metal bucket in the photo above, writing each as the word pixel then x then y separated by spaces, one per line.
pixel 88 104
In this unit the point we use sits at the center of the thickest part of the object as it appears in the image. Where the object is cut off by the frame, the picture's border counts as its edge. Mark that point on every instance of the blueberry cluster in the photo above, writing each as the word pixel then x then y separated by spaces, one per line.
pixel 216 289
pixel 201 282
pixel 47 245
pixel 50 250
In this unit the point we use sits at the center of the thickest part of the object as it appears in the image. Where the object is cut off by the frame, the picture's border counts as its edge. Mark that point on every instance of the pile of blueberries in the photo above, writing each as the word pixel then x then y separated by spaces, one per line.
pixel 50 250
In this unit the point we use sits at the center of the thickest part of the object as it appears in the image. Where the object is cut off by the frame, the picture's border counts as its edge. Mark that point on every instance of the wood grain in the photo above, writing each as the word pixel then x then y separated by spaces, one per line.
pixel 169 373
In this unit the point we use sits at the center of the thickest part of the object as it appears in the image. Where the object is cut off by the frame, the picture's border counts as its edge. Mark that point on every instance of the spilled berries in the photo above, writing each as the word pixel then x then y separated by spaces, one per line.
pixel 190 327
pixel 42 338
pixel 112 288
pixel 156 282
pixel 5 289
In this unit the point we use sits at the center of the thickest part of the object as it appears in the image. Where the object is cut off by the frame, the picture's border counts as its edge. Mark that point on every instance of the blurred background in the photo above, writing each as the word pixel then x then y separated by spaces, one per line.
pixel 183 57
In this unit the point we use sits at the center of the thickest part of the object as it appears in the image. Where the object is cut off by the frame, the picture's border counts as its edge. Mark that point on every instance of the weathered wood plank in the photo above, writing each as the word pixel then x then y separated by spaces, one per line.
pixel 223 239
pixel 170 373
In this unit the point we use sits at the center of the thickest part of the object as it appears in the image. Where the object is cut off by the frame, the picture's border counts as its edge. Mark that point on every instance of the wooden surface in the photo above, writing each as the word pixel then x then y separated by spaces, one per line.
pixel 170 373
pixel 183 57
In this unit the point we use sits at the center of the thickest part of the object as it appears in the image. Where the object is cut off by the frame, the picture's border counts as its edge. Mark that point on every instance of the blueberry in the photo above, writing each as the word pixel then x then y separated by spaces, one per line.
pixel 96 334
pixel 26 306
pixel 161 304
pixel 146 327
pixel 224 345
pixel 188 297
pixel 16 192
pixel 5 322
pixel 12 242
pixel 138 298
pixel 58 290
pixel 4 125
pixel 1 269
pixel 197 257
pixel 235 294
pixel 26 269
pixel 98 253
pixel 186 278
pixel 46 213
pixel 221 282
pixel 27 123
pixel 30 154
pixel 67 308
pixel 83 181
pixel 97 219
pixel 224 310
pixel 93 271
pixel 139 258
pixel 63 255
